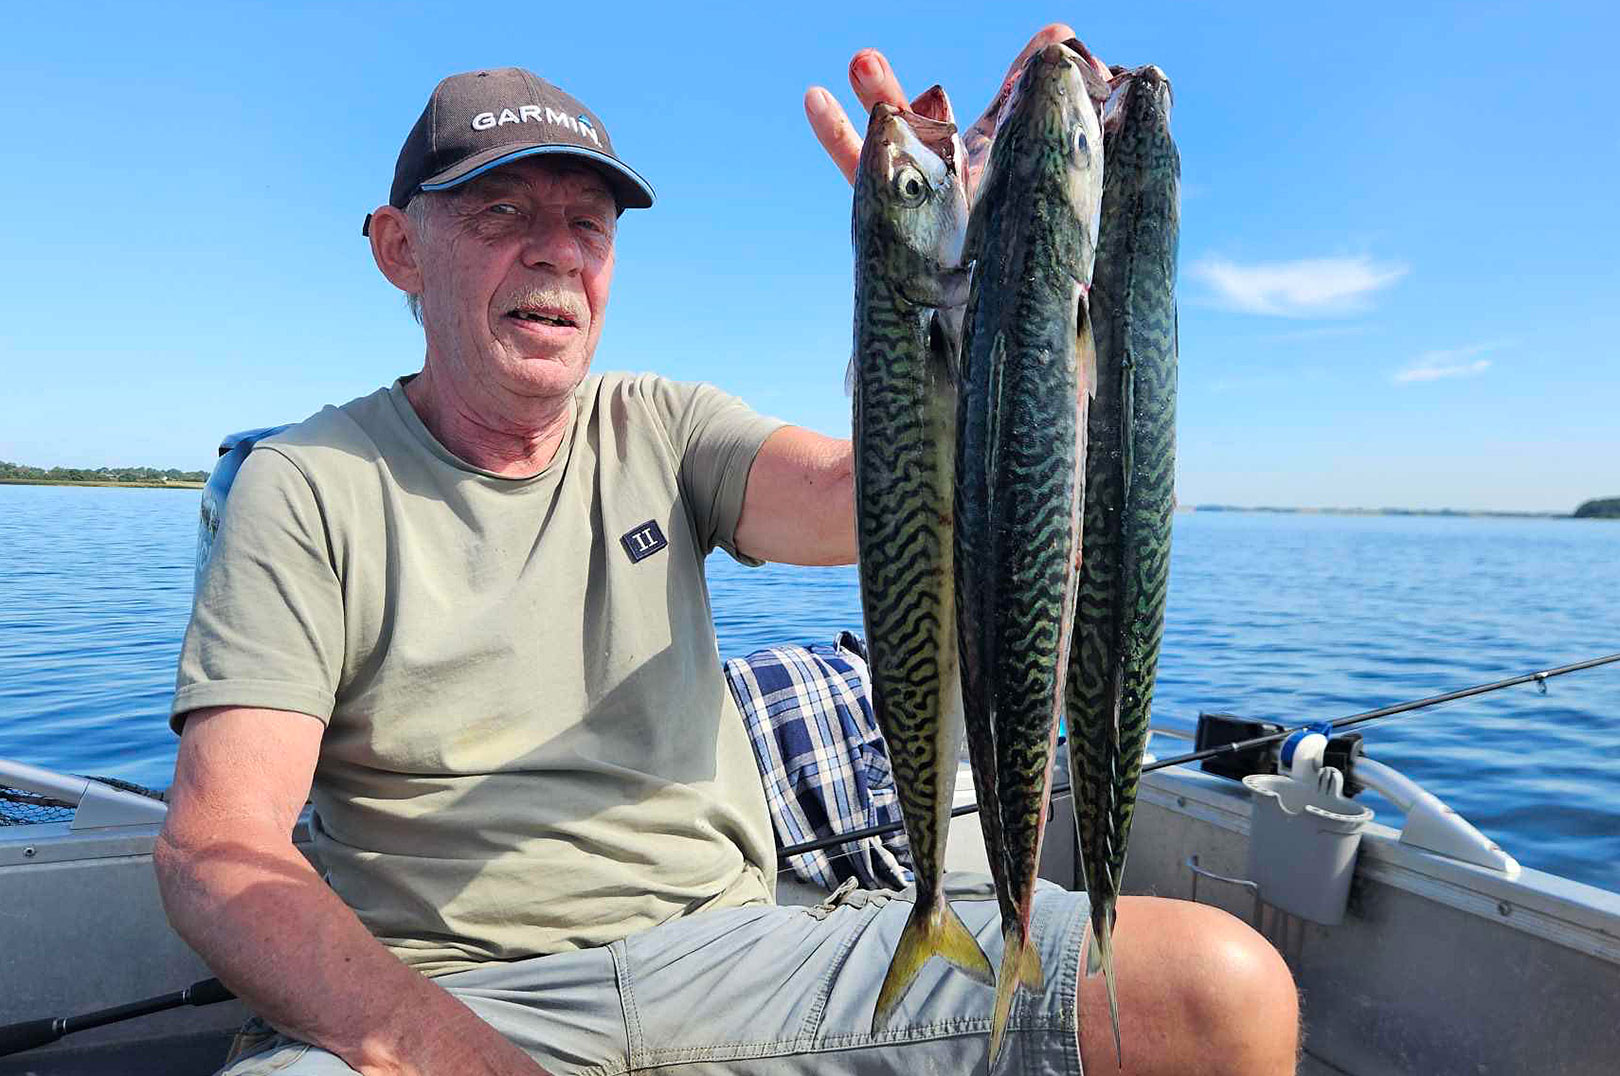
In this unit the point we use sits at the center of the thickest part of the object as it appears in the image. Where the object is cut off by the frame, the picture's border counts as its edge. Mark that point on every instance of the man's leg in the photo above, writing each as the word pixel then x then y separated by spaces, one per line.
pixel 1199 992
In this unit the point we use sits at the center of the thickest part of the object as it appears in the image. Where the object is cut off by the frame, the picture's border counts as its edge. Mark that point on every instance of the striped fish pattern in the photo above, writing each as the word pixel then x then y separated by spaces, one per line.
pixel 909 216
pixel 1021 420
pixel 1130 491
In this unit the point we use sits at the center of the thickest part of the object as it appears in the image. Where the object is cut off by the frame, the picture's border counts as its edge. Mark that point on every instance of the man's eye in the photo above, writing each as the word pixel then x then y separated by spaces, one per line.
pixel 591 224
pixel 504 208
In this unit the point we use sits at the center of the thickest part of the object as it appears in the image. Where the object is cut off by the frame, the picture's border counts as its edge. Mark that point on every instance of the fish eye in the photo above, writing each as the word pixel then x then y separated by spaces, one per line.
pixel 1082 144
pixel 910 186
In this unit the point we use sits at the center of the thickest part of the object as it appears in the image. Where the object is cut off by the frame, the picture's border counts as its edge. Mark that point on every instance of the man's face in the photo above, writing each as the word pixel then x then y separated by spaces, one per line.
pixel 515 271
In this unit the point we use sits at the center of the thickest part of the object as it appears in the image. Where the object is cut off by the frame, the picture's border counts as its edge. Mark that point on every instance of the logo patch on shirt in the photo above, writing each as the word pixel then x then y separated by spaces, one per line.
pixel 643 541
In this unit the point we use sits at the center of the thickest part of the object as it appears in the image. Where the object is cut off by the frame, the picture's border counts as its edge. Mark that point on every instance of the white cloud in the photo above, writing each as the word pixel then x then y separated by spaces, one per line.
pixel 1435 373
pixel 1320 332
pixel 1452 362
pixel 1310 287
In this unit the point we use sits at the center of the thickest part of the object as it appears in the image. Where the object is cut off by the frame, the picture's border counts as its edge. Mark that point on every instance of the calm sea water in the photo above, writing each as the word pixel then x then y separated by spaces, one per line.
pixel 1284 617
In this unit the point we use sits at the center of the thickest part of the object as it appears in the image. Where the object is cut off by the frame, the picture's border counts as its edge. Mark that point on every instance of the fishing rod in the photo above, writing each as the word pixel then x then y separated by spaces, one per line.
pixel 1539 678
pixel 15 1038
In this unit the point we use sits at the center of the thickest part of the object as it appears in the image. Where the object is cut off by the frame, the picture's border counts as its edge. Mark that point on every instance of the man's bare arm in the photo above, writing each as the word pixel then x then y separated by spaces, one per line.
pixel 243 897
pixel 799 505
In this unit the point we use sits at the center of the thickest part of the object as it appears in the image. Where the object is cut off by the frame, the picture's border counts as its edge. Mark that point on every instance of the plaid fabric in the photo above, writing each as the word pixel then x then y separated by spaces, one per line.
pixel 822 760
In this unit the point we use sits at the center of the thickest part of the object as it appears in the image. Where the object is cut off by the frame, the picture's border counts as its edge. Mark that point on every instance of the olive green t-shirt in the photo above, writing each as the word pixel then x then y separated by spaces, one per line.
pixel 529 743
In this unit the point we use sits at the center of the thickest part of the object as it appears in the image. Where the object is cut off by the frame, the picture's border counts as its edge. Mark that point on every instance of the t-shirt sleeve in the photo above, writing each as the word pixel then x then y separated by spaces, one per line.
pixel 716 437
pixel 267 625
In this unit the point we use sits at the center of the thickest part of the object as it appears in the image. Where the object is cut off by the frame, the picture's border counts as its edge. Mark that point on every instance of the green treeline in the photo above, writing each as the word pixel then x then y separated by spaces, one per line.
pixel 17 472
pixel 1602 508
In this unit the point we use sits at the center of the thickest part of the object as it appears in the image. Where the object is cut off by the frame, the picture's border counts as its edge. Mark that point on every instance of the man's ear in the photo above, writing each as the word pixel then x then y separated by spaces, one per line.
pixel 394 249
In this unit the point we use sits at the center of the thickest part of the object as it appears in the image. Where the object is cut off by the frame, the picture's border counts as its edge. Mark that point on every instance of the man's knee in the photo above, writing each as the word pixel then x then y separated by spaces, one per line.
pixel 1199 991
pixel 1245 1002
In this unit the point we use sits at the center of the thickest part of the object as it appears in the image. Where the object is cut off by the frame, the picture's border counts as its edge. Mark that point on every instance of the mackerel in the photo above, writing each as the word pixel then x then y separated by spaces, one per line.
pixel 910 213
pixel 1026 346
pixel 1130 492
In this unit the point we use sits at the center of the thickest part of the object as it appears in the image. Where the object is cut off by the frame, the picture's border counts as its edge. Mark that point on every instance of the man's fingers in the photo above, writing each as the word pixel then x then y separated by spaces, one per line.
pixel 873 80
pixel 833 130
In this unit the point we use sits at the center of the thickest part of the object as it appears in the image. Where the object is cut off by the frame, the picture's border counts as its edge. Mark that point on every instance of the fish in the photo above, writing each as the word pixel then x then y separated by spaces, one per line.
pixel 910 212
pixel 1129 492
pixel 1026 349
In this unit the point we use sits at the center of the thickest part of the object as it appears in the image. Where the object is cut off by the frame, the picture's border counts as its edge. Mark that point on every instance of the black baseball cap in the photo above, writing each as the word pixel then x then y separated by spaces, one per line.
pixel 481 120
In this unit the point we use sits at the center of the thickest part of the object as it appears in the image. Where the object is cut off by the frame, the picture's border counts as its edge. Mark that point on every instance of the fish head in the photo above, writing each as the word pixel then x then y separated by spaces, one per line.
pixel 1136 124
pixel 1050 129
pixel 1143 91
pixel 910 200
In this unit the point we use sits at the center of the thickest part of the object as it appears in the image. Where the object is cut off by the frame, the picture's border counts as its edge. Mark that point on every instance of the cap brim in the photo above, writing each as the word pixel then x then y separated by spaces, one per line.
pixel 629 188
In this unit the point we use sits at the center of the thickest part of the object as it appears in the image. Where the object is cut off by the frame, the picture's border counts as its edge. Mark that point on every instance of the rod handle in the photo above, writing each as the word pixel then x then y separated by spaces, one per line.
pixel 15 1038
pixel 206 992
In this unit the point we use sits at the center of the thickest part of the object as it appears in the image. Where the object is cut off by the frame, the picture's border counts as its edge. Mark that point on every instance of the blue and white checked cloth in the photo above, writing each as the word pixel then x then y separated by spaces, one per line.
pixel 822 760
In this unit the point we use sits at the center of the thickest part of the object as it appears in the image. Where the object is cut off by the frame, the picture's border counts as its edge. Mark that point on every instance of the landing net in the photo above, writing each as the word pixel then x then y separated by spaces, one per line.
pixel 19 807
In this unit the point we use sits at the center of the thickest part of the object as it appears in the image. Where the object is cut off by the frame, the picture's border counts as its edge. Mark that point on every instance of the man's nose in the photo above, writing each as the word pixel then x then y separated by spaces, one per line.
pixel 551 242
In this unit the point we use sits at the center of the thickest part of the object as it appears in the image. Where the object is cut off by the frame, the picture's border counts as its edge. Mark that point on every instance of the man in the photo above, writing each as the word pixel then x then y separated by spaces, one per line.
pixel 466 616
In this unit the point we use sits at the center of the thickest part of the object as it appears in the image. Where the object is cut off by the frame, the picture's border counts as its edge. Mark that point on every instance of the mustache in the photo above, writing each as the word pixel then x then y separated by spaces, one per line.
pixel 549 298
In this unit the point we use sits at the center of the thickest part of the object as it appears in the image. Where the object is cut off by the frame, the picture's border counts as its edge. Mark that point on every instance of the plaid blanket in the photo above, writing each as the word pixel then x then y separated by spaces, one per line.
pixel 821 758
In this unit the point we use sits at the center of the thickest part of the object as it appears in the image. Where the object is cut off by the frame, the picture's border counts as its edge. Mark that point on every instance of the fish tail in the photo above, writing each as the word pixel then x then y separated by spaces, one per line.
pixel 1020 966
pixel 929 932
pixel 1100 957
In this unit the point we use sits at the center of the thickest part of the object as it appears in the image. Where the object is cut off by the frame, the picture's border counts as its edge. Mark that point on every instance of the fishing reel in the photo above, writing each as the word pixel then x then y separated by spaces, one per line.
pixel 1339 751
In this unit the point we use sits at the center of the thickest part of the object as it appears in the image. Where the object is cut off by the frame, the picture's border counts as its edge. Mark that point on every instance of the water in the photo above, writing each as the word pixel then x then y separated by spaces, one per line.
pixel 1283 617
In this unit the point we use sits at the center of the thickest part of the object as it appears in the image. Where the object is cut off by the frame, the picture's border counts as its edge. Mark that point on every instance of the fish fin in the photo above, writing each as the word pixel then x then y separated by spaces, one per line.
pixel 953 290
pixel 1020 966
pixel 929 932
pixel 1085 344
pixel 1100 957
pixel 1082 877
pixel 944 347
pixel 973 236
pixel 992 439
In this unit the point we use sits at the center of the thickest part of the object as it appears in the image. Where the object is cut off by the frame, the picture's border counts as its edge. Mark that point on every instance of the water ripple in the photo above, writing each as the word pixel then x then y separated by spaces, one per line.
pixel 1286 618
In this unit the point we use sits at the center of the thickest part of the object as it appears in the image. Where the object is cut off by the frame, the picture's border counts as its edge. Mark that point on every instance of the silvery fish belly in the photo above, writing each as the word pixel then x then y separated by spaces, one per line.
pixel 910 213
pixel 1130 490
pixel 1021 419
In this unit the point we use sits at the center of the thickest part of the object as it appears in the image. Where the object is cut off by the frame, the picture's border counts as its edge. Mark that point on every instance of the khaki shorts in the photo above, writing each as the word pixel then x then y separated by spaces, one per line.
pixel 765 989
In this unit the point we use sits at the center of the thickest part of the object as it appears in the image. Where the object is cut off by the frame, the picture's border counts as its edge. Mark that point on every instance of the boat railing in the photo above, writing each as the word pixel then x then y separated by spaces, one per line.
pixel 95 804
pixel 1429 822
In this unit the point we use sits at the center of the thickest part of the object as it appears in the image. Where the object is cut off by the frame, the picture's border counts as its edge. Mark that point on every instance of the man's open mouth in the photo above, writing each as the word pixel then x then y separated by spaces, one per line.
pixel 545 317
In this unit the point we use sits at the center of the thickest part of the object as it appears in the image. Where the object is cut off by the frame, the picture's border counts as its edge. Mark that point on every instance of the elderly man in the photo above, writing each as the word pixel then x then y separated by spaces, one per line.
pixel 466 615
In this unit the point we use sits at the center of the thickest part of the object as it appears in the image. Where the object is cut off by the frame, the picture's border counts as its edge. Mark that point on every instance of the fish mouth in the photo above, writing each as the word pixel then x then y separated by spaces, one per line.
pixel 1048 78
pixel 938 136
pixel 1091 70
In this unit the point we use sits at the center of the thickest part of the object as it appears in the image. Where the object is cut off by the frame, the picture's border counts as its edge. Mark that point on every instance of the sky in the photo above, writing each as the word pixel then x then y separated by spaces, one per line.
pixel 1397 272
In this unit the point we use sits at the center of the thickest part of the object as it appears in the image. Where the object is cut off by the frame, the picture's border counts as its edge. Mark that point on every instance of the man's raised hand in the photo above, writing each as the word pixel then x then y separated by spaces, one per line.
pixel 873 80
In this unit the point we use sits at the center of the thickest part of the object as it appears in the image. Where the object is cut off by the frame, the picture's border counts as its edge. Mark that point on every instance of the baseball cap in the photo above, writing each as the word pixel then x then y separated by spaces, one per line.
pixel 480 120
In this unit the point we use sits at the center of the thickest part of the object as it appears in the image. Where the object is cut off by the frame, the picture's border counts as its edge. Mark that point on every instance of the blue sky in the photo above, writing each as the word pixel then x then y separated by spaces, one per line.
pixel 1398 242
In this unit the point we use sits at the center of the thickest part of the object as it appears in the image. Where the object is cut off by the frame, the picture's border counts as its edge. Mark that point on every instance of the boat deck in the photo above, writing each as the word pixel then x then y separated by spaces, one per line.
pixel 1439 967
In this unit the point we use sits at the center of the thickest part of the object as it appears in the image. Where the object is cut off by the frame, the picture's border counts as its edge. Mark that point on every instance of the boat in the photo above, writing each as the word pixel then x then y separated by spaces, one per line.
pixel 1433 953
pixel 1441 963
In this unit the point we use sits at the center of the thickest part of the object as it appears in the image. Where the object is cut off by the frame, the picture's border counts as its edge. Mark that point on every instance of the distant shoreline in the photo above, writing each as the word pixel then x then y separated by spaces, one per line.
pixel 1459 513
pixel 1451 512
pixel 176 484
